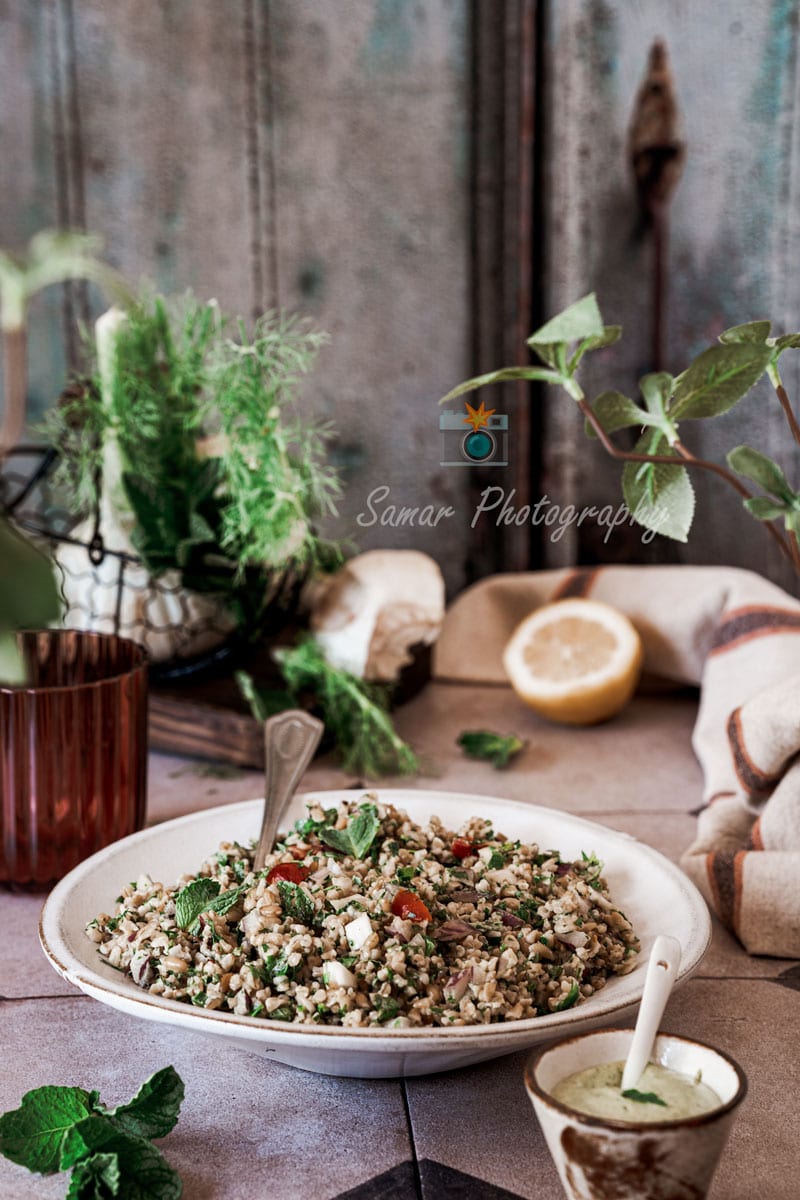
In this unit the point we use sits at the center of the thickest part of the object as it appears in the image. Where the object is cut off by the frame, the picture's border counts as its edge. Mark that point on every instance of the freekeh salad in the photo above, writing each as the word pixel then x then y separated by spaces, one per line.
pixel 362 918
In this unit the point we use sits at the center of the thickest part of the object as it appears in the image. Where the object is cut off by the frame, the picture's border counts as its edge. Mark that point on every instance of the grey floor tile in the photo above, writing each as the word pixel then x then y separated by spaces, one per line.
pixel 24 970
pixel 248 1128
pixel 480 1122
pixel 757 1022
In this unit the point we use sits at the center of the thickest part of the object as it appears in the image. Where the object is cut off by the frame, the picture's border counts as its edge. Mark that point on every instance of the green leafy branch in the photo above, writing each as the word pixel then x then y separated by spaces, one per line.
pixel 224 481
pixel 655 479
pixel 108 1150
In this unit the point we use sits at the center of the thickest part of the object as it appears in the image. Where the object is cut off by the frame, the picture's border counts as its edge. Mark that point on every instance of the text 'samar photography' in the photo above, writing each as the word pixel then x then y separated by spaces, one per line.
pixel 480 438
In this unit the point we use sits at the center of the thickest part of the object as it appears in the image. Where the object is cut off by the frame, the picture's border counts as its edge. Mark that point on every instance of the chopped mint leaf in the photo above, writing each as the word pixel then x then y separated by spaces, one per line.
pixel 31 1135
pixel 644 1097
pixel 307 825
pixel 153 1111
pixel 193 900
pixel 284 1013
pixel 497 860
pixel 496 748
pixel 295 902
pixel 226 901
pixel 358 835
pixel 387 1009
pixel 570 998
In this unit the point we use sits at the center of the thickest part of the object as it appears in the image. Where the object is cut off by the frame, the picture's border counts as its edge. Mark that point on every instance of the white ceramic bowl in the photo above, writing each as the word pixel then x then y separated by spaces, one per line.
pixel 655 896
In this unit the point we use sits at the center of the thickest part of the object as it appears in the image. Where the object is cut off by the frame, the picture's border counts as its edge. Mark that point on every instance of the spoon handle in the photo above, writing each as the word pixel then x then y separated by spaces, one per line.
pixel 290 739
pixel 665 958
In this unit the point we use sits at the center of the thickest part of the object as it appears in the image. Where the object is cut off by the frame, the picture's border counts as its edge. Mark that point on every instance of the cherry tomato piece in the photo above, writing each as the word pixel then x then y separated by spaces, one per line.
pixel 409 907
pixel 291 872
pixel 463 849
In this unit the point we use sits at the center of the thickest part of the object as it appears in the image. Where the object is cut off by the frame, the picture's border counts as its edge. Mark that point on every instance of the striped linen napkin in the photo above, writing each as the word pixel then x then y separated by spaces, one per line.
pixel 734 635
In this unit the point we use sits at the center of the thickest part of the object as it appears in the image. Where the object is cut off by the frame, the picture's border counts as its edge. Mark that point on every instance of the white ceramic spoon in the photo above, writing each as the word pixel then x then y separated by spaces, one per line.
pixel 665 958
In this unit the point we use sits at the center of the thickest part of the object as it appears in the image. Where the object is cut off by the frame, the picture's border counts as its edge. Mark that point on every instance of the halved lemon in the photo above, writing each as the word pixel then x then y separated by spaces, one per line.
pixel 575 661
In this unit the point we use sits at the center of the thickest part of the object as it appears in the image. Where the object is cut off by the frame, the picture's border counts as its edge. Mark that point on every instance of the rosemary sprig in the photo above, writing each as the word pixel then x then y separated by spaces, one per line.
pixel 355 712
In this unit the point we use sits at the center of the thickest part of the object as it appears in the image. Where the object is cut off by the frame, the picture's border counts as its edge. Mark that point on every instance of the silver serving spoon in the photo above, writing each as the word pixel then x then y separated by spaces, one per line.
pixel 290 739
pixel 665 958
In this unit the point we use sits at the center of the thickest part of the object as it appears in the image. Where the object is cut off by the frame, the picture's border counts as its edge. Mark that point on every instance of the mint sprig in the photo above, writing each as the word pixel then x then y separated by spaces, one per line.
pixel 357 836
pixel 199 896
pixel 31 1135
pixel 496 748
pixel 108 1150
pixel 643 1097
pixel 295 902
pixel 655 483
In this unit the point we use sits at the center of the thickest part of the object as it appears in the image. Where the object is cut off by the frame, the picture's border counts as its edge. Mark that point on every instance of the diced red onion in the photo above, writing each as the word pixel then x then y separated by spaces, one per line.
pixel 401 929
pixel 511 920
pixel 453 931
pixel 466 896
pixel 457 984
pixel 141 969
pixel 564 868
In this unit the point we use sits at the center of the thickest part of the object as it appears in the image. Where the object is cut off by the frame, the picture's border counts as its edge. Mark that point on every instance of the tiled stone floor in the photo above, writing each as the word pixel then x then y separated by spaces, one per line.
pixel 251 1128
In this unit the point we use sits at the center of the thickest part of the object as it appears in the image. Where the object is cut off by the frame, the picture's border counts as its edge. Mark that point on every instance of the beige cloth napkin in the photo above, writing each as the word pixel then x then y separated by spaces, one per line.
pixel 737 637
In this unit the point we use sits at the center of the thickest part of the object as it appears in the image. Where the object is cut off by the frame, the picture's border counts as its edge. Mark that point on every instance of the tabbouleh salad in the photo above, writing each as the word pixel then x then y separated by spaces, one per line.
pixel 362 918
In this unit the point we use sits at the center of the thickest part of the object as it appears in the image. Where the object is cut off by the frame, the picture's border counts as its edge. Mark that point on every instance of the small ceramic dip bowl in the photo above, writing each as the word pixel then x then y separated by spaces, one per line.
pixel 608 1159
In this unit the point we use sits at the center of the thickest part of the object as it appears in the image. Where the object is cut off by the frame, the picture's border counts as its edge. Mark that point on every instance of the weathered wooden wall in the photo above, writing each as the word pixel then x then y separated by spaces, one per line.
pixel 291 153
pixel 368 162
pixel 735 233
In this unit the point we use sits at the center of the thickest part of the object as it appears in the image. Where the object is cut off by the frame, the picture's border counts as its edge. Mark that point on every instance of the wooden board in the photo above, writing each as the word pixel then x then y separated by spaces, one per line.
pixel 203 730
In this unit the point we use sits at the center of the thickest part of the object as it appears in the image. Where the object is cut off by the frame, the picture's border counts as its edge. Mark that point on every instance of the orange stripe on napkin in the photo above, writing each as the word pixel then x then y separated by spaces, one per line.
pixel 577 584
pixel 751 777
pixel 755 620
pixel 756 841
pixel 738 880
pixel 720 870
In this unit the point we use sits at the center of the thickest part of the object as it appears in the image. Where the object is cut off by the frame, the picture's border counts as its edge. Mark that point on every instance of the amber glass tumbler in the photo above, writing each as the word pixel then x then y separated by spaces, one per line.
pixel 73 753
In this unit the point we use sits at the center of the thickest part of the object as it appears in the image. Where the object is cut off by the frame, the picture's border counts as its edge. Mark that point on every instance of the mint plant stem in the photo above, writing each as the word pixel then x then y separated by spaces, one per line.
pixel 785 544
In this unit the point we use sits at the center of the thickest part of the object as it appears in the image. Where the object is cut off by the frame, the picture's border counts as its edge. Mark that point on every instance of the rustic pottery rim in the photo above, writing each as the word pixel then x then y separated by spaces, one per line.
pixel 535 1089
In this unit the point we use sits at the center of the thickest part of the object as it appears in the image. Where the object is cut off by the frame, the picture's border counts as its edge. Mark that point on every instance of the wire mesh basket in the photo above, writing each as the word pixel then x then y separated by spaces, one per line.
pixel 110 590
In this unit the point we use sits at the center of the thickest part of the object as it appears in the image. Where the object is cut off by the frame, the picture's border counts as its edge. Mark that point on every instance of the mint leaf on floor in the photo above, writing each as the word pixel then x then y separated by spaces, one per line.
pixel 31 1135
pixel 108 1150
pixel 144 1173
pixel 496 748
pixel 153 1111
